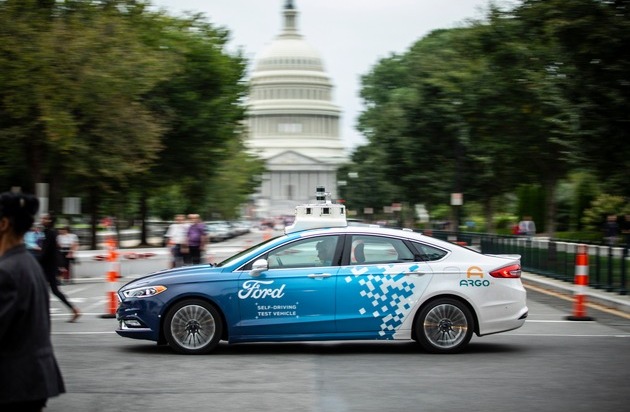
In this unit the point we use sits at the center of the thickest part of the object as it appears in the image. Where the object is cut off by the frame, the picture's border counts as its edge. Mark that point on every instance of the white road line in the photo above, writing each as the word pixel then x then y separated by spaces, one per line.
pixel 74 291
pixel 560 321
pixel 60 313
pixel 567 335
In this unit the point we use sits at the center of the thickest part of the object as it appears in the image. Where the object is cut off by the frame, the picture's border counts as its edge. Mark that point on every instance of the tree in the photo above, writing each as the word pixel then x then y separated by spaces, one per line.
pixel 106 98
pixel 479 109
pixel 73 97
pixel 237 177
pixel 202 106
pixel 367 185
pixel 592 36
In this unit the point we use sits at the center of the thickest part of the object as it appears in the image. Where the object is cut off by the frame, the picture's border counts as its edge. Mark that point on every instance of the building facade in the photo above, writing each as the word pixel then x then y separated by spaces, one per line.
pixel 292 121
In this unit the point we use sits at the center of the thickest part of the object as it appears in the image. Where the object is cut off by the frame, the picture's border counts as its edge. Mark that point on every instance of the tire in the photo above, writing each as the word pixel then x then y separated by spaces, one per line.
pixel 444 326
pixel 193 327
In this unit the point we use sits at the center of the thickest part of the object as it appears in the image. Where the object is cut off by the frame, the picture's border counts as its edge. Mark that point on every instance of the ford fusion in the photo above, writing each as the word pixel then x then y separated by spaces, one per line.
pixel 325 280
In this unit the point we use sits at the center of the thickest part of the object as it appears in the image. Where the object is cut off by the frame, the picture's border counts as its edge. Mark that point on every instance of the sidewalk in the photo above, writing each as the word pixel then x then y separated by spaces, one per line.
pixel 565 290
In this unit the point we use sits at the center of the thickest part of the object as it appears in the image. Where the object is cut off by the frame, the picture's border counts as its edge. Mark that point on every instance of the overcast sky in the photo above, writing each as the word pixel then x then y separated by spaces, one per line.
pixel 350 35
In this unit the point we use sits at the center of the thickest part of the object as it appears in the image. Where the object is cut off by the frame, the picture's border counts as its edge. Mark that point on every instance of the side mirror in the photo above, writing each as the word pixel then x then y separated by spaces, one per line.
pixel 258 267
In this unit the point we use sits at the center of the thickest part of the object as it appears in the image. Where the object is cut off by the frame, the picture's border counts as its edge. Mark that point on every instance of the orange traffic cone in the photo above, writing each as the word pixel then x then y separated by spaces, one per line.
pixel 112 276
pixel 581 284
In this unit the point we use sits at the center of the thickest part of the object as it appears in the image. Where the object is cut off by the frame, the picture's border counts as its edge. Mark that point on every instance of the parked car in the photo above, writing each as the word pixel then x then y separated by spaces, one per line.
pixel 218 231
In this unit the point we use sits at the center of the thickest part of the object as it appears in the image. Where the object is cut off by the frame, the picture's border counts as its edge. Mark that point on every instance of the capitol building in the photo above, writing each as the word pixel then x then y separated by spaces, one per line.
pixel 293 123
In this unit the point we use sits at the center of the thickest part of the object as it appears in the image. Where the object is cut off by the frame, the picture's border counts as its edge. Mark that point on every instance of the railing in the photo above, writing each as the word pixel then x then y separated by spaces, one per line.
pixel 608 265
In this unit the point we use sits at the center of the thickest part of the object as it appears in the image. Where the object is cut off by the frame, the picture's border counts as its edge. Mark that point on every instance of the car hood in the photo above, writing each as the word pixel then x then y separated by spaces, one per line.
pixel 181 275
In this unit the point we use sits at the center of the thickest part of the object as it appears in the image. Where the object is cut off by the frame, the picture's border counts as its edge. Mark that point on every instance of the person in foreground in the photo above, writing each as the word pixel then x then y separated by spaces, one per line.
pixel 29 373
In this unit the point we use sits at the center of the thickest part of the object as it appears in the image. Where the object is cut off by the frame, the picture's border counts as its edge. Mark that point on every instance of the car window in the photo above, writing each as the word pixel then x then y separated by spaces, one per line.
pixel 379 249
pixel 428 253
pixel 317 251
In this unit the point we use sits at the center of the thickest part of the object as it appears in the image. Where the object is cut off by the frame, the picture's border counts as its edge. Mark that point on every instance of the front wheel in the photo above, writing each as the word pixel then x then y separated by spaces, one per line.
pixel 444 326
pixel 193 327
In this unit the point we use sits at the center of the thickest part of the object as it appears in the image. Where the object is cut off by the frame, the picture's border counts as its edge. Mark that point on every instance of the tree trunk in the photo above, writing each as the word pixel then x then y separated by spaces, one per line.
pixel 93 210
pixel 143 218
pixel 488 211
pixel 550 207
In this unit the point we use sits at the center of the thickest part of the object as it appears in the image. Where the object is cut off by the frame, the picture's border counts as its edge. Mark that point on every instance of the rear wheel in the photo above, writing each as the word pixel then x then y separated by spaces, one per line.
pixel 193 327
pixel 444 326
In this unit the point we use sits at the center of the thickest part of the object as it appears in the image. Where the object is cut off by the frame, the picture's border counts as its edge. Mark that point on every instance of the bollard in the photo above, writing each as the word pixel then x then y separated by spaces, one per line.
pixel 112 279
pixel 581 283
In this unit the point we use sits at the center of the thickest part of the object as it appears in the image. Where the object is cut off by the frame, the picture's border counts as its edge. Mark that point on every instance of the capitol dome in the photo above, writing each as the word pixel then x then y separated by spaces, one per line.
pixel 292 121
pixel 289 50
pixel 289 54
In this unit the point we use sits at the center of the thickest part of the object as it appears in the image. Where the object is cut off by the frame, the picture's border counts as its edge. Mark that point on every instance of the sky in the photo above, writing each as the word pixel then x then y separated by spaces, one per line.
pixel 350 35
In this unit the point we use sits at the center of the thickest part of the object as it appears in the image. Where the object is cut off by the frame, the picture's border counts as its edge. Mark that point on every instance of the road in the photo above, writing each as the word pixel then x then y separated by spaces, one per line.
pixel 550 364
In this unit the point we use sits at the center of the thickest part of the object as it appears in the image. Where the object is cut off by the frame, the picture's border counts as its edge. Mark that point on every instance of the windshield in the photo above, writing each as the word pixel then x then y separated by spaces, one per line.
pixel 234 258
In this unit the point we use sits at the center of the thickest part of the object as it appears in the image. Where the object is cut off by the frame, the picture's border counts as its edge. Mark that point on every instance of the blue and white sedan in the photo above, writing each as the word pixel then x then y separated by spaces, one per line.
pixel 333 283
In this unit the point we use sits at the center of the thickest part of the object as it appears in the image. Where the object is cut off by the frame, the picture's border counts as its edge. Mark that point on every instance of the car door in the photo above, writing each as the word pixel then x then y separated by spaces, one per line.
pixel 379 284
pixel 296 295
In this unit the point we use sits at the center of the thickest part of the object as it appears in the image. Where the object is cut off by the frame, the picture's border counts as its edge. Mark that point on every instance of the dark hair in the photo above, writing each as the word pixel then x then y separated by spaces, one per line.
pixel 20 209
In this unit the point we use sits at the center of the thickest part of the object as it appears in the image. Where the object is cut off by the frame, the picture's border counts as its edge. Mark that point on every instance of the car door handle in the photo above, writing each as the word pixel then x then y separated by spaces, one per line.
pixel 319 275
pixel 415 273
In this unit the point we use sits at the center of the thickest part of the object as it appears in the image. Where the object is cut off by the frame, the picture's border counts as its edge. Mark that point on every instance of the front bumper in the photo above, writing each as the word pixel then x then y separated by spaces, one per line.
pixel 138 319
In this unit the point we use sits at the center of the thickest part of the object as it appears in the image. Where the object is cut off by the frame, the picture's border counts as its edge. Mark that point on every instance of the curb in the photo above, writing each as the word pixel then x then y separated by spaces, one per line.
pixel 609 300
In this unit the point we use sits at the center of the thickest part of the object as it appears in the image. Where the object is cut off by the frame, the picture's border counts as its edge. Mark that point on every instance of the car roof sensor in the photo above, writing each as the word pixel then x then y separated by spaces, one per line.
pixel 322 214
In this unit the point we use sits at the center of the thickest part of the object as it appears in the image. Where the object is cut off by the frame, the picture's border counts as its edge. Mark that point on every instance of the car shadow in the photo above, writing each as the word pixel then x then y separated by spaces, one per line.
pixel 330 348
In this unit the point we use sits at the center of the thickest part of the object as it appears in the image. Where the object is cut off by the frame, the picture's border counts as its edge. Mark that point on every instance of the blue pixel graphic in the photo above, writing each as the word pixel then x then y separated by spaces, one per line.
pixel 384 293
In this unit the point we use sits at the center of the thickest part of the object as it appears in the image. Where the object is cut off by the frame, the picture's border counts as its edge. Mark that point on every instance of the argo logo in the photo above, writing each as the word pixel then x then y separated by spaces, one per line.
pixel 477 272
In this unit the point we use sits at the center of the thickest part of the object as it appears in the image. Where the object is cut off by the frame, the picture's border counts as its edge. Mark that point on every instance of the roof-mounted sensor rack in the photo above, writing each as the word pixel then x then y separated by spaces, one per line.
pixel 322 214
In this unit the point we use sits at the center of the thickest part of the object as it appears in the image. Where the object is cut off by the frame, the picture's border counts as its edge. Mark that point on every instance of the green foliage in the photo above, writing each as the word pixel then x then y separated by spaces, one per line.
pixel 583 236
pixel 440 212
pixel 508 102
pixel 505 221
pixel 237 178
pixel 531 202
pixel 586 189
pixel 168 201
pixel 74 75
pixel 364 188
pixel 592 36
pixel 602 206
pixel 112 101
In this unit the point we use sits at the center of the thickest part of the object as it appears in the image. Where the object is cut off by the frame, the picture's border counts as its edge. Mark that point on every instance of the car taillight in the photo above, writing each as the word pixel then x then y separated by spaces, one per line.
pixel 512 271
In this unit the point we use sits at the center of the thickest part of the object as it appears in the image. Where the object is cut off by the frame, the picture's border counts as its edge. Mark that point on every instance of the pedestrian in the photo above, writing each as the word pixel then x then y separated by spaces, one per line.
pixel 625 229
pixel 68 243
pixel 527 226
pixel 29 373
pixel 33 240
pixel 177 240
pixel 51 260
pixel 197 239
pixel 611 230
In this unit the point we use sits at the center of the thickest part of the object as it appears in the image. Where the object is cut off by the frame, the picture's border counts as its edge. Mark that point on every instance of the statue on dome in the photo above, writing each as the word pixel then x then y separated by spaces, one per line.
pixel 289 4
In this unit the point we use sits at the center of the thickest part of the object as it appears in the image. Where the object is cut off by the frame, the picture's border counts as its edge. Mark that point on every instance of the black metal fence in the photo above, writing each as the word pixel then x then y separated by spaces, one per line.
pixel 555 258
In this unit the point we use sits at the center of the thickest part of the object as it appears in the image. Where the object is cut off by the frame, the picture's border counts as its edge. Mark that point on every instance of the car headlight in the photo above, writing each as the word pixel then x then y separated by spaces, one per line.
pixel 144 291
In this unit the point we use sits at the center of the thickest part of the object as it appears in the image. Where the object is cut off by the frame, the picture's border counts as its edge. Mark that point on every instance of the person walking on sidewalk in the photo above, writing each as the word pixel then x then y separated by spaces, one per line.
pixel 68 244
pixel 51 259
pixel 177 240
pixel 29 372
pixel 197 239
